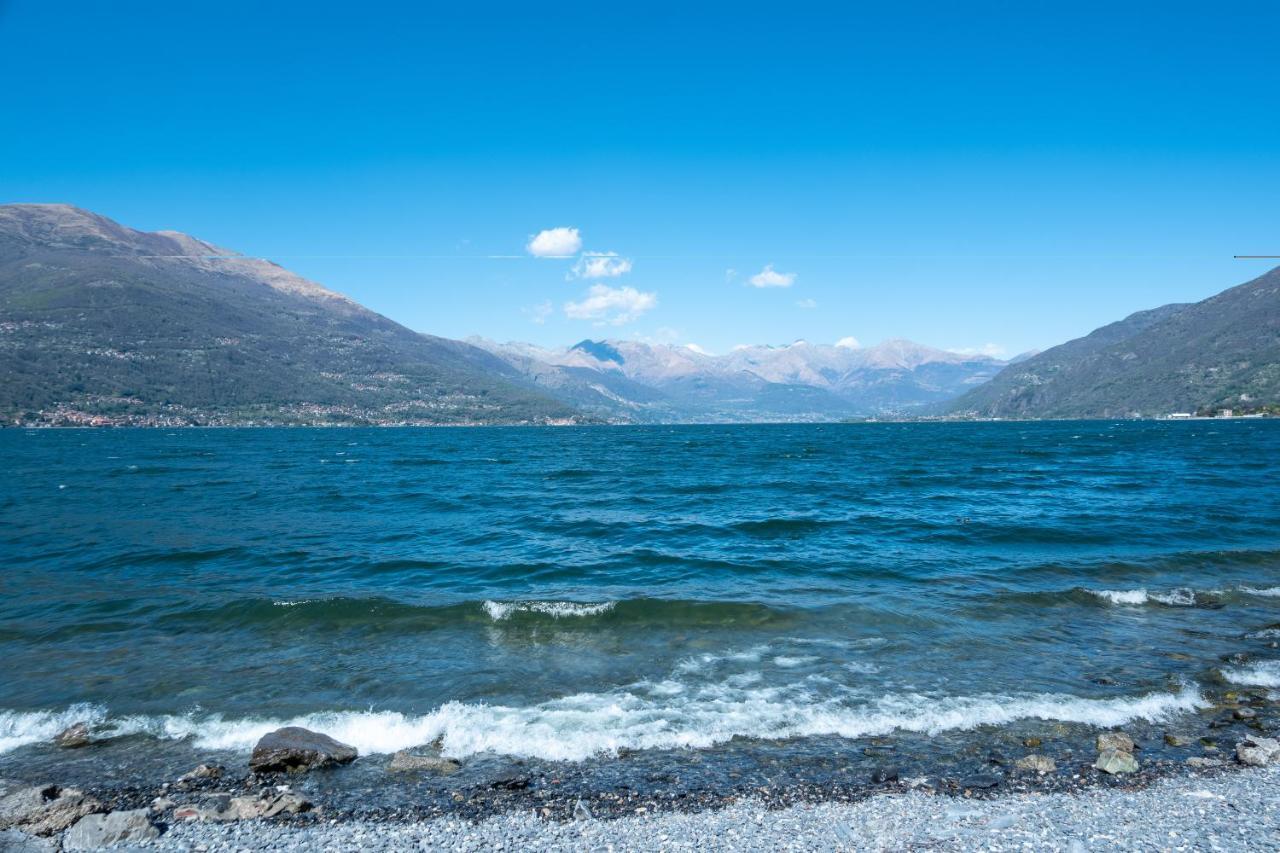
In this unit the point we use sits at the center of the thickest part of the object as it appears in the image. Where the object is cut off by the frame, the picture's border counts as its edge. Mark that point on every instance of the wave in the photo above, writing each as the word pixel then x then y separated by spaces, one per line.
pixel 1268 592
pixel 500 610
pixel 1261 674
pixel 1181 597
pixel 20 728
pixel 662 715
pixel 388 615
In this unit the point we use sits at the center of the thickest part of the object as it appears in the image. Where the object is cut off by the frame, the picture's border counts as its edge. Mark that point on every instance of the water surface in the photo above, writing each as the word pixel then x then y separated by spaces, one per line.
pixel 564 594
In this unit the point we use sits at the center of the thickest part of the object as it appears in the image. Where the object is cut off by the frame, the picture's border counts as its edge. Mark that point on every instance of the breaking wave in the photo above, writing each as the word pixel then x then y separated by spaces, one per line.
pixel 1261 674
pixel 661 715
pixel 500 610
pixel 1181 597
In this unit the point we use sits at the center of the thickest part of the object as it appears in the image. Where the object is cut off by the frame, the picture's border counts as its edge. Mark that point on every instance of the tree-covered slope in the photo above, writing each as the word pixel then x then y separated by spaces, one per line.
pixel 98 321
pixel 1222 352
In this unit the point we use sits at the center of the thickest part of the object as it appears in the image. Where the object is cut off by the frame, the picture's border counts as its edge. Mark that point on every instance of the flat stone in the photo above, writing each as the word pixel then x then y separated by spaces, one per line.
pixel 883 775
pixel 294 749
pixel 1041 764
pixel 202 771
pixel 1175 740
pixel 224 807
pixel 1115 761
pixel 1244 713
pixel 249 808
pixel 1258 751
pixel 100 830
pixel 1118 741
pixel 408 762
pixel 17 841
pixel 44 810
pixel 980 781
pixel 1200 761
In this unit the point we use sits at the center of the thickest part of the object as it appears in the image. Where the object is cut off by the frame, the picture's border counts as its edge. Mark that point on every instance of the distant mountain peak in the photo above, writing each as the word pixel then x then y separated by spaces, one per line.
pixel 600 350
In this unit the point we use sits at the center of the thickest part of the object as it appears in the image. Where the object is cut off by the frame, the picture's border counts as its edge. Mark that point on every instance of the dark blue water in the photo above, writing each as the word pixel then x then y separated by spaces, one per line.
pixel 563 594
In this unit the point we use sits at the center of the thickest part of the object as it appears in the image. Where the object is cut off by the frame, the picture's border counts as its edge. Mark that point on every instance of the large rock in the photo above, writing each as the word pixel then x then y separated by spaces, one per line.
pixel 1119 741
pixel 43 810
pixel 1116 761
pixel 405 761
pixel 99 830
pixel 294 749
pixel 73 737
pixel 1258 751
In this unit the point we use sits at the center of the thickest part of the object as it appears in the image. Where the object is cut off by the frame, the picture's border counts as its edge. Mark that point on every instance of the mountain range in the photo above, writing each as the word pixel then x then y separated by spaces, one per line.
pixel 103 324
pixel 643 382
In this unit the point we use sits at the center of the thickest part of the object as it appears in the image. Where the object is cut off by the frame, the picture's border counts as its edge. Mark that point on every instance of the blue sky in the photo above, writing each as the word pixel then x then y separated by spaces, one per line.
pixel 1002 174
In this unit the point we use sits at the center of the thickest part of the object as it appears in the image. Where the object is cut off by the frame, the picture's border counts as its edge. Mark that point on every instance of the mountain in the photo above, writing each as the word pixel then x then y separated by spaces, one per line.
pixel 641 382
pixel 1223 352
pixel 100 323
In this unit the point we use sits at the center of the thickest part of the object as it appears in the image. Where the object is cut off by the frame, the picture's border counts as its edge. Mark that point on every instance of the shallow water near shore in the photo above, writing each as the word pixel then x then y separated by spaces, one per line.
pixel 631 606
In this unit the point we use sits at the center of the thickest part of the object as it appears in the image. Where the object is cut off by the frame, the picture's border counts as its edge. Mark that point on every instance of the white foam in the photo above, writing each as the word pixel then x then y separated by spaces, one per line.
pixel 20 728
pixel 1261 674
pixel 1181 597
pixel 644 716
pixel 1264 634
pixel 1267 592
pixel 792 661
pixel 500 610
pixel 1122 596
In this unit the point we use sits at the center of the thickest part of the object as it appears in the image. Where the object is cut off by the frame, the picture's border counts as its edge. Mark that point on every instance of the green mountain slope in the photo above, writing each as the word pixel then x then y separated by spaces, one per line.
pixel 101 322
pixel 1222 352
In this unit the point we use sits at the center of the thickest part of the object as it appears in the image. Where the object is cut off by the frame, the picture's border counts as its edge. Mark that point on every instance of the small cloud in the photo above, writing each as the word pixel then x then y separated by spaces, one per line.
pixel 848 343
pixel 730 274
pixel 807 303
pixel 989 350
pixel 695 348
pixel 538 313
pixel 612 306
pixel 555 243
pixel 769 277
pixel 600 265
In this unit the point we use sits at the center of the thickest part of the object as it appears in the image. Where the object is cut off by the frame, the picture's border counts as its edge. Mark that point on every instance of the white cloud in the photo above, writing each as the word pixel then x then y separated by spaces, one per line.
pixel 848 343
pixel 610 305
pixel 555 243
pixel 769 277
pixel 695 348
pixel 600 265
pixel 538 313
pixel 989 350
pixel 807 303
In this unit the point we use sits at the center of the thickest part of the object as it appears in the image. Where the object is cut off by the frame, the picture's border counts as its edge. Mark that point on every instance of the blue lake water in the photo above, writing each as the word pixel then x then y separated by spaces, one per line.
pixel 566 594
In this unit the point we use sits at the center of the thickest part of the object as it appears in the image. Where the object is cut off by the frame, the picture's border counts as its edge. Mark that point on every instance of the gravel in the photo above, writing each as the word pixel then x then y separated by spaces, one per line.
pixel 1214 811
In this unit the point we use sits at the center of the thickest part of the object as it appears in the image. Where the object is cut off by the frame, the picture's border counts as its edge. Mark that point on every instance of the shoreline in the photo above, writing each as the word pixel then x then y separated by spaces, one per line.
pixel 214 808
pixel 594 424
pixel 1214 809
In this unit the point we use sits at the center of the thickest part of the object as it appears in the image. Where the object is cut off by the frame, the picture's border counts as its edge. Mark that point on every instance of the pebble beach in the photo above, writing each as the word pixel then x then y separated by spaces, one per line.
pixel 1211 811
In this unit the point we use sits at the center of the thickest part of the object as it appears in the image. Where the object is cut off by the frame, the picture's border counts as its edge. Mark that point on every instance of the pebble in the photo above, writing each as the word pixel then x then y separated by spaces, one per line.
pixel 1232 811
